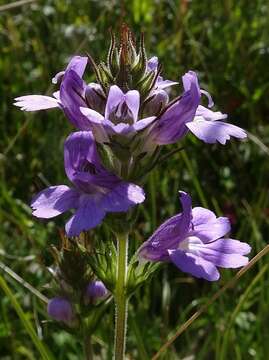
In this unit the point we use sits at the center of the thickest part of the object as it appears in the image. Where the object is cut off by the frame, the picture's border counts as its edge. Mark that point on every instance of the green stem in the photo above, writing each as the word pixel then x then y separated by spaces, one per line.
pixel 121 300
pixel 88 348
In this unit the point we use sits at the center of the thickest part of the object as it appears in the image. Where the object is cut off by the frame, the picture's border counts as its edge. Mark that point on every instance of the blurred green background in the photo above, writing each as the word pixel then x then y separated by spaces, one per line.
pixel 227 43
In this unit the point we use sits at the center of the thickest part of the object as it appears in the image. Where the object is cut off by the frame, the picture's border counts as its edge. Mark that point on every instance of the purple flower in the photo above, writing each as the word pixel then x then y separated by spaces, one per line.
pixel 96 191
pixel 96 290
pixel 152 65
pixel 74 92
pixel 60 309
pixel 186 114
pixel 121 114
pixel 193 241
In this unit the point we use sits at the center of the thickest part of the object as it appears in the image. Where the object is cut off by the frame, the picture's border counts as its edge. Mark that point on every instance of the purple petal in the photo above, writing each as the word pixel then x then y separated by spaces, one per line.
pixel 79 148
pixel 122 197
pixel 87 216
pixel 83 166
pixel 185 220
pixel 166 236
pixel 194 265
pixel 97 124
pixel 115 96
pixel 58 78
pixel 209 97
pixel 225 253
pixel 78 64
pixel 72 92
pixel 215 131
pixel 230 246
pixel 36 102
pixel 152 63
pixel 169 234
pixel 126 129
pixel 60 309
pixel 202 216
pixel 56 94
pixel 96 289
pixel 190 80
pixel 163 84
pixel 132 99
pixel 211 230
pixel 54 201
pixel 92 115
pixel 143 123
pixel 152 253
pixel 209 114
pixel 120 129
pixel 170 127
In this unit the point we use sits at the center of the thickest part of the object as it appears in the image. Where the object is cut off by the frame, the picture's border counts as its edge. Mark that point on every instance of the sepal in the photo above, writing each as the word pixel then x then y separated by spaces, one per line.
pixel 109 160
pixel 103 262
pixel 92 315
pixel 113 62
pixel 140 65
pixel 143 164
pixel 139 271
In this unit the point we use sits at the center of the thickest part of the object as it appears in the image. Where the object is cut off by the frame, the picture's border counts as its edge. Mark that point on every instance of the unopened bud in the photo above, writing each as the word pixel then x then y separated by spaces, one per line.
pixel 157 101
pixel 96 290
pixel 95 97
pixel 152 63
pixel 60 309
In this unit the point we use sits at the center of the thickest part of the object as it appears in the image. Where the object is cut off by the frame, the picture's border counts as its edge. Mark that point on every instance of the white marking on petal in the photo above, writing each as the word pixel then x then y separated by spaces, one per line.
pixel 190 244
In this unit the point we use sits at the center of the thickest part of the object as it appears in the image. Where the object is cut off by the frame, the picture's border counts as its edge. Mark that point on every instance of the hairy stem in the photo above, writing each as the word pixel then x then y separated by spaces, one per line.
pixel 121 300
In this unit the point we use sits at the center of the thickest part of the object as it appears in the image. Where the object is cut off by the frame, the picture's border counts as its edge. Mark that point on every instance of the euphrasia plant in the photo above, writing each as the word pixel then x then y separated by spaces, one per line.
pixel 123 120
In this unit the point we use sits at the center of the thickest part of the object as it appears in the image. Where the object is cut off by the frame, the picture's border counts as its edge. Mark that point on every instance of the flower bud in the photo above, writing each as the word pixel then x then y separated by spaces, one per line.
pixel 96 289
pixel 95 97
pixel 157 101
pixel 60 309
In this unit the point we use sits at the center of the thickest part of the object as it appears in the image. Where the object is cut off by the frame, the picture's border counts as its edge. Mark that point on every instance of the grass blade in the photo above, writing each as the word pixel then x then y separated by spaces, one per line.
pixel 203 308
pixel 43 351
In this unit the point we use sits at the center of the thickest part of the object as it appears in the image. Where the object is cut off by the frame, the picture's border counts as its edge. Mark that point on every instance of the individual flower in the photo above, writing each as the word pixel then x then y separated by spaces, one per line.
pixel 96 290
pixel 121 113
pixel 60 309
pixel 152 65
pixel 193 241
pixel 96 191
pixel 74 92
pixel 187 115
